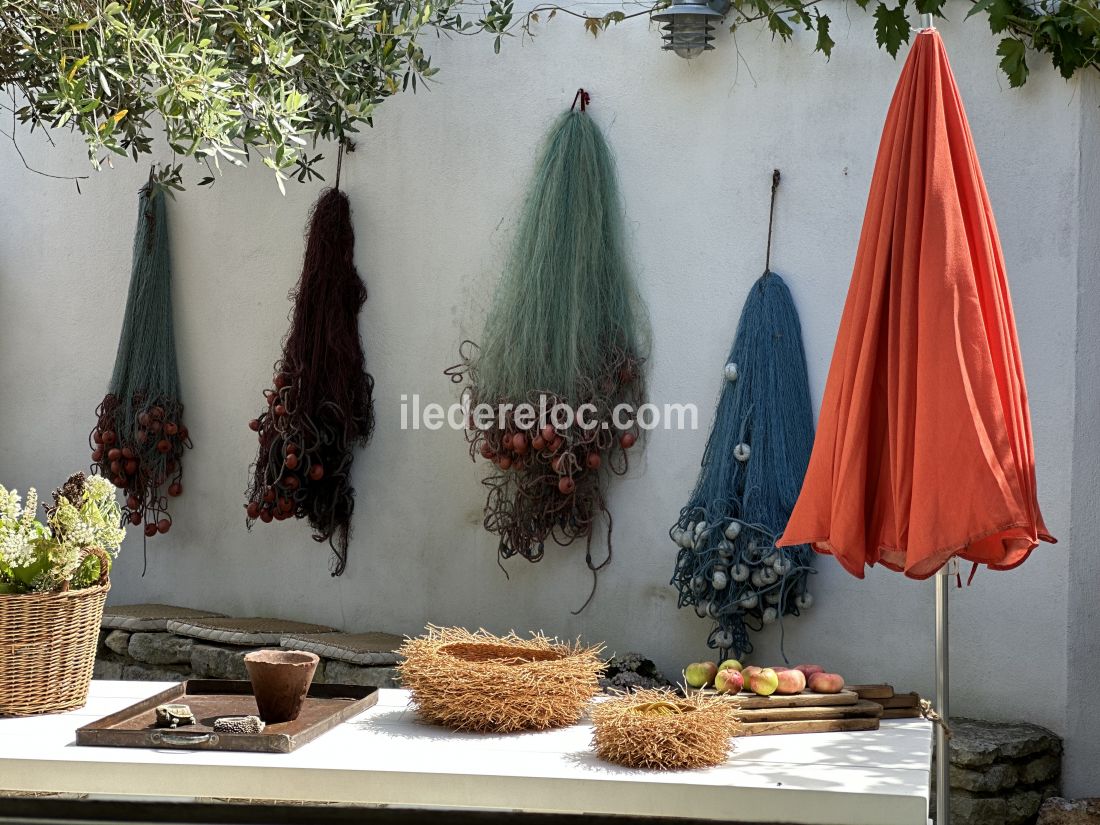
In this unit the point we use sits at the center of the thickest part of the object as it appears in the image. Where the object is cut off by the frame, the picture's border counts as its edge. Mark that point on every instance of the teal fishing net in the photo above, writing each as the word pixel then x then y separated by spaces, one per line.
pixel 566 328
pixel 139 437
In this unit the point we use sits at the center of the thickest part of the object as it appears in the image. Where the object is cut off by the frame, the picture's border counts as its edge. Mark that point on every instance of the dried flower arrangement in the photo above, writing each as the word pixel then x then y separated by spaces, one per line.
pixel 657 729
pixel 498 684
pixel 61 553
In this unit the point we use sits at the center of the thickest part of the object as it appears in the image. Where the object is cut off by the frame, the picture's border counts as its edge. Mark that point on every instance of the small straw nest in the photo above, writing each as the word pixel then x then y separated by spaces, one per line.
pixel 491 684
pixel 658 729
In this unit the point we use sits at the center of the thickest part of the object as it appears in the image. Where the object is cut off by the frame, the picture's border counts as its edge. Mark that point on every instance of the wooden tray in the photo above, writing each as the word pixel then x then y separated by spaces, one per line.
pixel 326 706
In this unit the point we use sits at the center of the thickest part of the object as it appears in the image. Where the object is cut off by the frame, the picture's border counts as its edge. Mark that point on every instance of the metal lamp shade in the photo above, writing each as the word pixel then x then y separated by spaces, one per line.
pixel 688 27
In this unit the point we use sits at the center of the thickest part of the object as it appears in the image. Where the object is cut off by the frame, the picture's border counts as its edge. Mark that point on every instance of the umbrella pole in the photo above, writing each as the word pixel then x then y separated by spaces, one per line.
pixel 943 759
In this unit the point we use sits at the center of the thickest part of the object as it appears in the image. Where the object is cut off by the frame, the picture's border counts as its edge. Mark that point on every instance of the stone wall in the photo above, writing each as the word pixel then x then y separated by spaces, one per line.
pixel 1001 773
pixel 167 657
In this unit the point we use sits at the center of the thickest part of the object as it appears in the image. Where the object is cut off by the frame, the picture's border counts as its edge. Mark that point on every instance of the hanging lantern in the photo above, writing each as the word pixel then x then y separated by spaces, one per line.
pixel 688 26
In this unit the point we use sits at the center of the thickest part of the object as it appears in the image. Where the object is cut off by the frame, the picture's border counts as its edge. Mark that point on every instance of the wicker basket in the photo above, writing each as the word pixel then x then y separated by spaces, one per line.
pixel 493 684
pixel 47 646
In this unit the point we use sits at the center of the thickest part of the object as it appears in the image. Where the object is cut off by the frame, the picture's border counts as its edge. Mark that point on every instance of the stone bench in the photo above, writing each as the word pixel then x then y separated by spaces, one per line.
pixel 155 642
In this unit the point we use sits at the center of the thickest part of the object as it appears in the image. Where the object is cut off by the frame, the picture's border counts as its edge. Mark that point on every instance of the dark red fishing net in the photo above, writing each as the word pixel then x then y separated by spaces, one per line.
pixel 319 407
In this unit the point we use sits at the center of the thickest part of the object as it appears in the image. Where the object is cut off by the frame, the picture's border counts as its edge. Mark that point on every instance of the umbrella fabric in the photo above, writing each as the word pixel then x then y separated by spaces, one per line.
pixel 923 447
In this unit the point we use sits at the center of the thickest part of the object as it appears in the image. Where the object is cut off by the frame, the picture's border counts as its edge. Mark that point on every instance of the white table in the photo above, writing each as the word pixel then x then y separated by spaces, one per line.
pixel 387 757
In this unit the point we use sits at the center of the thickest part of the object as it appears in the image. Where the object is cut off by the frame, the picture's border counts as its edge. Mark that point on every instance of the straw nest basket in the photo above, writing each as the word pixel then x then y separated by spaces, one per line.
pixel 492 684
pixel 47 646
pixel 658 729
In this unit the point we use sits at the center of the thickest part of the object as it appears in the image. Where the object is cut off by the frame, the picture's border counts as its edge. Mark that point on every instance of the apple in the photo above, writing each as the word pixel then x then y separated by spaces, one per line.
pixel 730 663
pixel 810 670
pixel 764 682
pixel 826 683
pixel 780 669
pixel 791 682
pixel 729 681
pixel 700 674
pixel 749 671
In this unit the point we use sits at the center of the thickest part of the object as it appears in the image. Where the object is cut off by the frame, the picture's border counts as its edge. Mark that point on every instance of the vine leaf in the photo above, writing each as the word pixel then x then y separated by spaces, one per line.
pixel 891 27
pixel 1013 61
pixel 824 42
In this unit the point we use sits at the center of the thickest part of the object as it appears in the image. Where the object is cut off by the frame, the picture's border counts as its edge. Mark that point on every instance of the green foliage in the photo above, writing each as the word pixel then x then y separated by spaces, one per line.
pixel 1068 31
pixel 224 80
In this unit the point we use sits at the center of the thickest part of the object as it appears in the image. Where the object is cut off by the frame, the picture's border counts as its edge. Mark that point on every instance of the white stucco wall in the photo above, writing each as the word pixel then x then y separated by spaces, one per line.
pixel 434 187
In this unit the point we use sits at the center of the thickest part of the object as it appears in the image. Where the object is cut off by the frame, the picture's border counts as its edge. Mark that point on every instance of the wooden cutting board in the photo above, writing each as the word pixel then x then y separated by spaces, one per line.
pixel 900 700
pixel 862 708
pixel 750 701
pixel 901 713
pixel 872 691
pixel 809 726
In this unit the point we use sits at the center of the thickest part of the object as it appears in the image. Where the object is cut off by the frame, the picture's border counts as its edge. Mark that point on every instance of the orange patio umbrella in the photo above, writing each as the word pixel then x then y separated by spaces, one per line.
pixel 923 450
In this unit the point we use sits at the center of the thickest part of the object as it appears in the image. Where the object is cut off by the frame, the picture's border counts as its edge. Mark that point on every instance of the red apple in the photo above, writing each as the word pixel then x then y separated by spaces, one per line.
pixel 791 682
pixel 749 671
pixel 729 681
pixel 826 683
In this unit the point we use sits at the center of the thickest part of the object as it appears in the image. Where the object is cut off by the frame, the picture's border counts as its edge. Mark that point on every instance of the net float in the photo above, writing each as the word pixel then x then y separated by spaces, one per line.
pixel 164 525
pixel 316 472
pixel 291 462
pixel 163 446
pixel 593 461
pixel 114 454
pixel 175 489
pixel 627 440
pixel 566 485
pixel 171 428
pixel 150 530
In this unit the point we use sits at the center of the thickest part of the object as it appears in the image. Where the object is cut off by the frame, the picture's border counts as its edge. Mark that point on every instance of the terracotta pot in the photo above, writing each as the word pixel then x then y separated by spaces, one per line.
pixel 280 681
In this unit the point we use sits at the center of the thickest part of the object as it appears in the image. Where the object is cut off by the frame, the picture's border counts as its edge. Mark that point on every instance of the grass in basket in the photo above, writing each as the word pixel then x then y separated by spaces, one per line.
pixel 498 684
pixel 658 729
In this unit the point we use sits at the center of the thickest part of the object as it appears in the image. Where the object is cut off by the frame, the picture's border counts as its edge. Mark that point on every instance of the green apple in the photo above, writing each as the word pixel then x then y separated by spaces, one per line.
pixel 700 674
pixel 736 665
pixel 764 682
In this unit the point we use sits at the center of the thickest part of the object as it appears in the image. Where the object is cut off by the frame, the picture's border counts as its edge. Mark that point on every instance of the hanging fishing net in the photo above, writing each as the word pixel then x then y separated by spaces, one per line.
pixel 565 340
pixel 728 567
pixel 319 407
pixel 139 437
